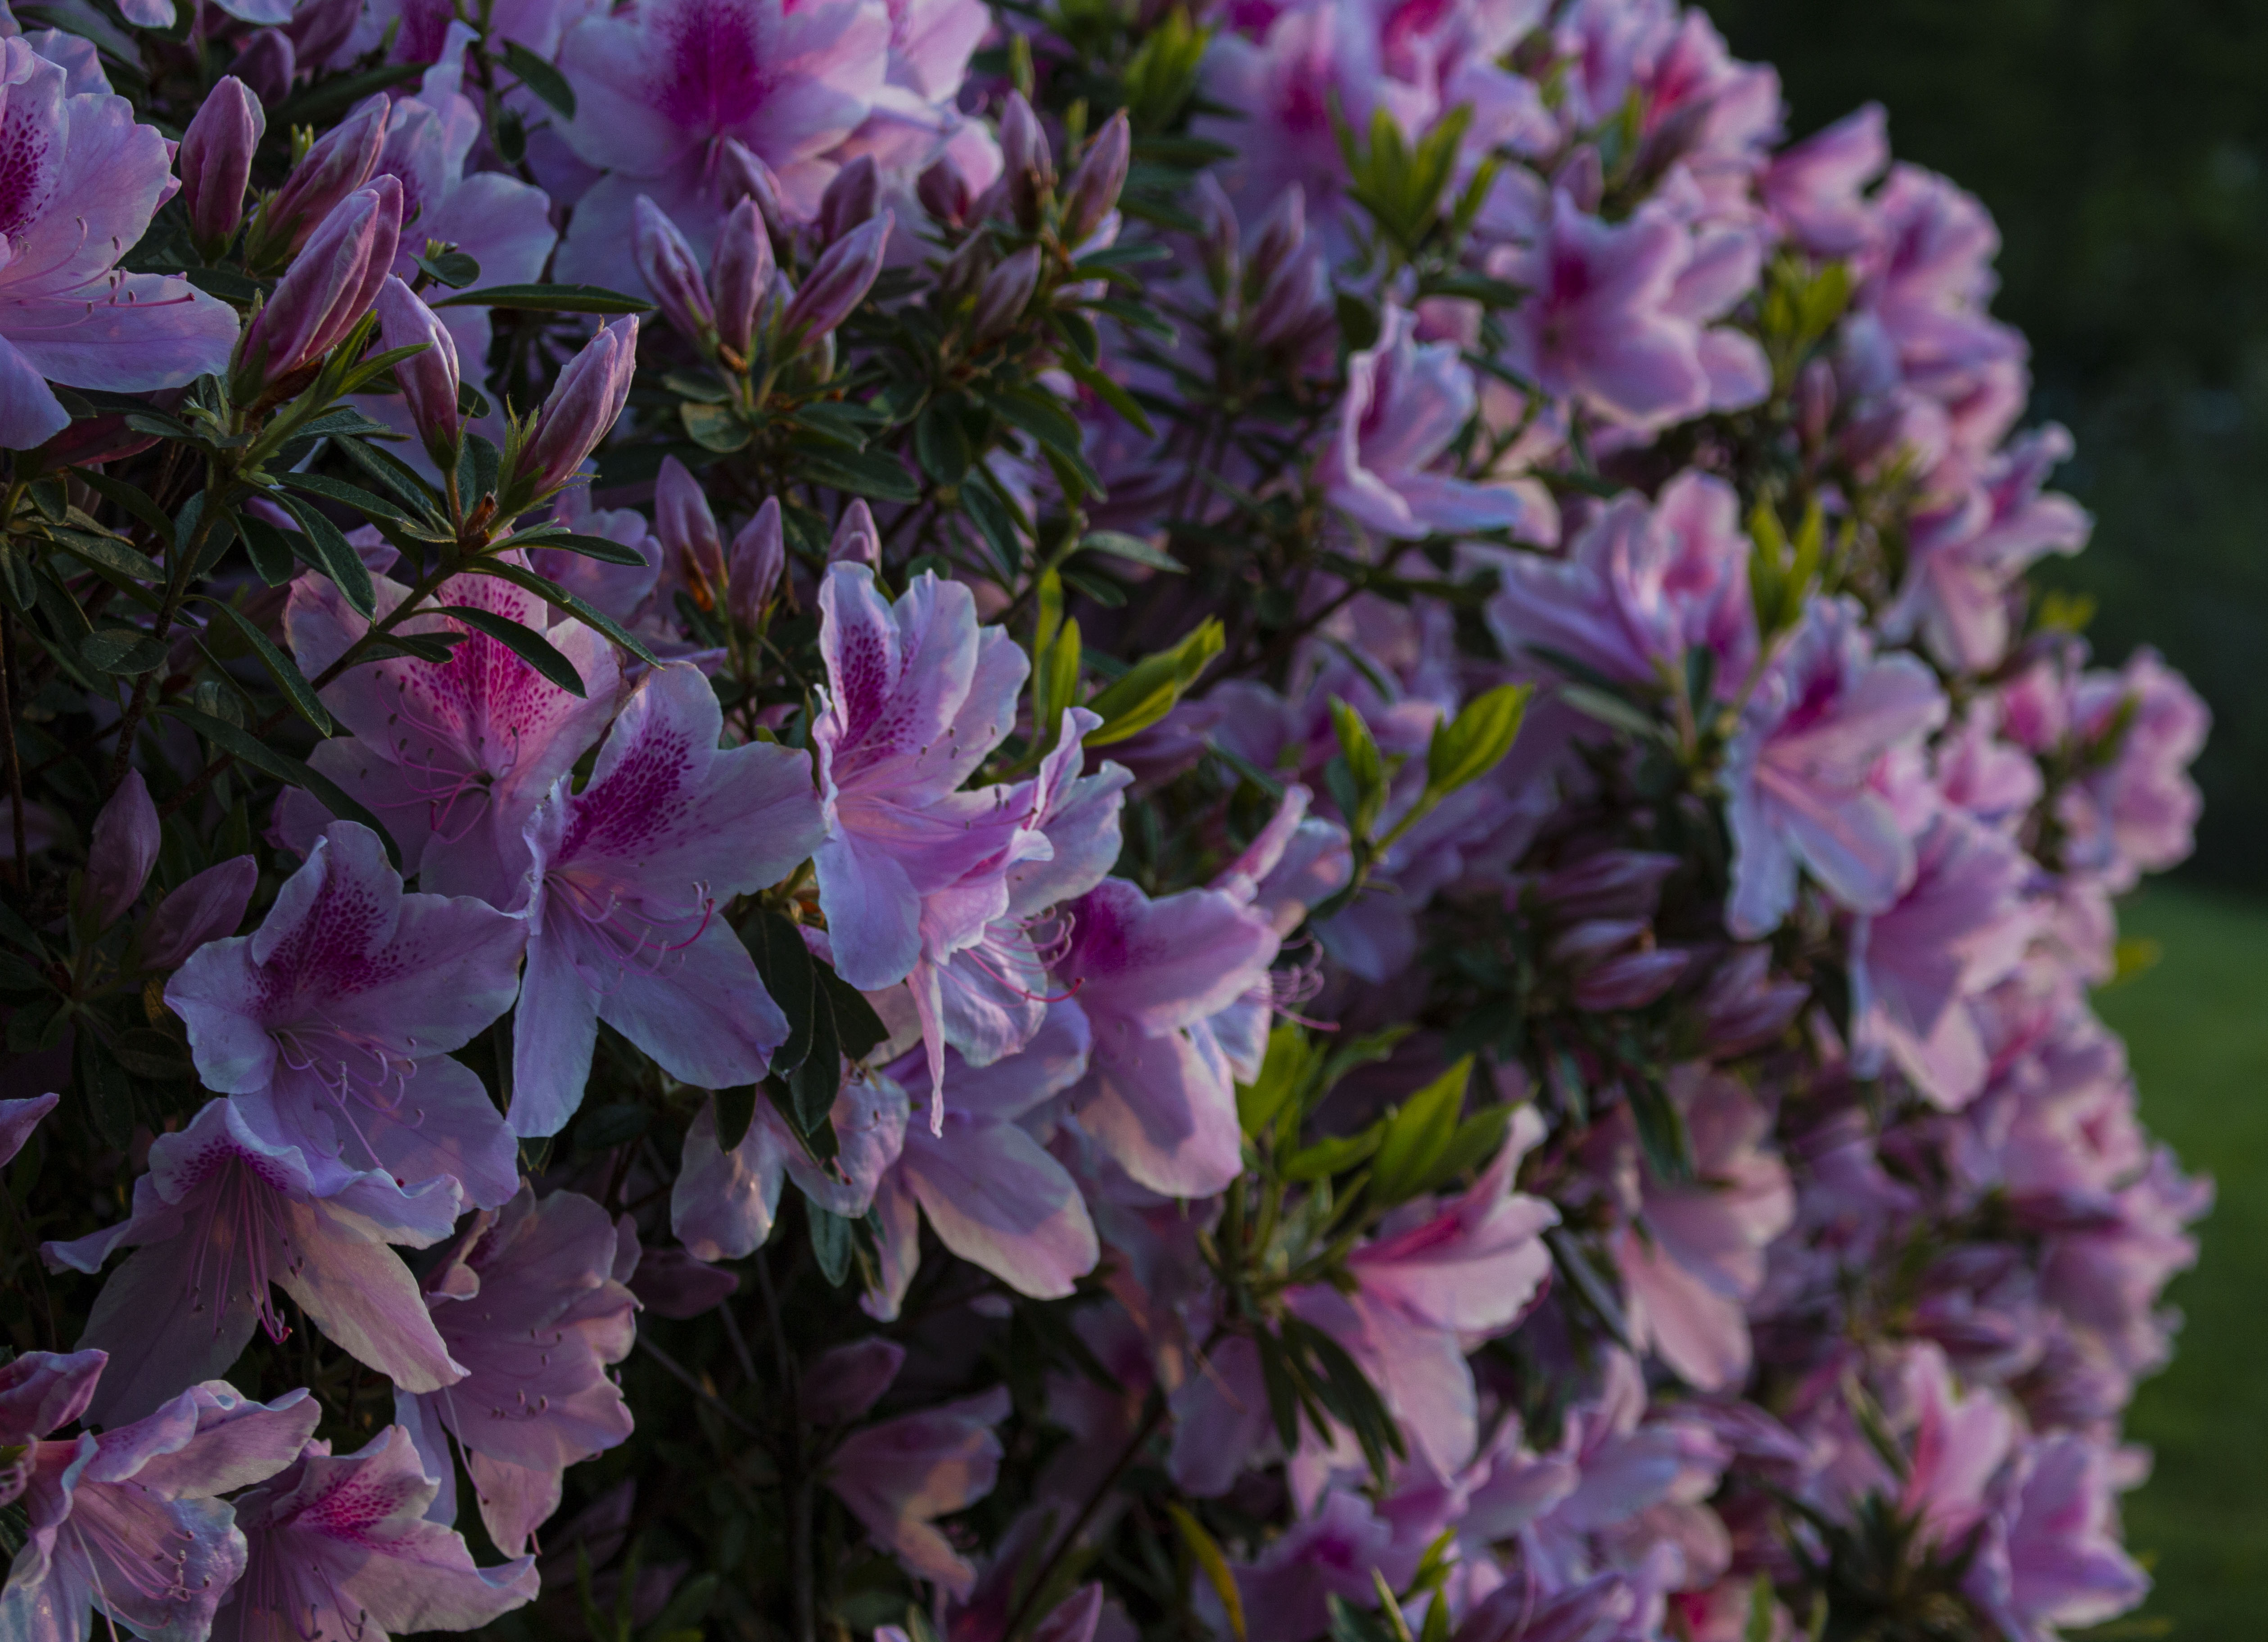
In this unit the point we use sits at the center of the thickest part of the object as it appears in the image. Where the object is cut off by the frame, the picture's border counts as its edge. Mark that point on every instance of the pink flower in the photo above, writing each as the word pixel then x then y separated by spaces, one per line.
pixel 2050 1556
pixel 332 1024
pixel 1599 326
pixel 1815 187
pixel 2137 812
pixel 724 1203
pixel 84 179
pixel 661 88
pixel 1285 1590
pixel 1404 404
pixel 534 1304
pixel 628 875
pixel 220 1216
pixel 1820 721
pixel 340 1546
pixel 899 1477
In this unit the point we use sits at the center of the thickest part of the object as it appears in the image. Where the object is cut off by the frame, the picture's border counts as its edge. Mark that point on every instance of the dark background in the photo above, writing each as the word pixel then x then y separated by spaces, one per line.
pixel 2123 145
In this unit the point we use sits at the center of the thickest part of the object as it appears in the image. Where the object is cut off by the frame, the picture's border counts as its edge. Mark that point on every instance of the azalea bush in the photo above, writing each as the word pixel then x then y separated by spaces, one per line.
pixel 1057 822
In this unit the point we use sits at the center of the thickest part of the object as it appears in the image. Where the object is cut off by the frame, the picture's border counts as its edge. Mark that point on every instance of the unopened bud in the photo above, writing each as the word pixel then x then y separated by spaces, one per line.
pixel 1632 981
pixel 752 570
pixel 1218 233
pixel 1006 292
pixel 845 274
pixel 268 64
pixel 740 275
pixel 1094 186
pixel 849 199
pixel 337 164
pixel 1613 883
pixel 692 548
pixel 1814 401
pixel 320 27
pixel 207 908
pixel 856 541
pixel 584 406
pixel 944 192
pixel 429 379
pixel 1296 306
pixel 741 175
pixel 1027 166
pixel 122 851
pixel 330 286
pixel 1587 942
pixel 215 160
pixel 1281 235
pixel 671 272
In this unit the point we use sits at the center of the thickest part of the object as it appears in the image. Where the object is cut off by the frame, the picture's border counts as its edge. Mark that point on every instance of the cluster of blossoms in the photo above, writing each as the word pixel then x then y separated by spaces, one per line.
pixel 1324 714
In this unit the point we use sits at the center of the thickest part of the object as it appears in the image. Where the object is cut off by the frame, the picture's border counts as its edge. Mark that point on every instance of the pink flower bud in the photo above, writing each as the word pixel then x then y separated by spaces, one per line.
pixel 1219 233
pixel 1613 883
pixel 208 908
pixel 1632 981
pixel 215 160
pixel 849 200
pixel 122 851
pixel 740 275
pixel 1282 233
pixel 944 192
pixel 741 175
pixel 759 557
pixel 428 379
pixel 856 541
pixel 671 272
pixel 1589 941
pixel 336 166
pixel 1027 166
pixel 320 27
pixel 584 406
pixel 1295 308
pixel 330 286
pixel 1006 292
pixel 1094 186
pixel 268 64
pixel 845 274
pixel 693 549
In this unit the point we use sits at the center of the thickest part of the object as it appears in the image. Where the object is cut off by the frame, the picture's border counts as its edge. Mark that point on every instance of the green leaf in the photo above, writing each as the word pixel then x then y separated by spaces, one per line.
pixel 456 269
pixel 529 644
pixel 1476 741
pixel 940 443
pixel 1334 1156
pixel 994 521
pixel 548 299
pixel 107 552
pixel 316 103
pixel 736 1109
pixel 122 652
pixel 1106 389
pixel 713 427
pixel 1366 768
pixel 340 561
pixel 1610 709
pixel 1477 1140
pixel 1214 1564
pixel 540 77
pixel 105 1087
pixel 242 745
pixel 1054 684
pixel 831 1243
pixel 857 1028
pixel 1417 1135
pixel 354 495
pixel 1148 689
pixel 270 549
pixel 1662 1132
pixel 1119 545
pixel 862 473
pixel 784 964
pixel 519 577
pixel 131 498
pixel 589 547
pixel 1282 1072
pixel 280 666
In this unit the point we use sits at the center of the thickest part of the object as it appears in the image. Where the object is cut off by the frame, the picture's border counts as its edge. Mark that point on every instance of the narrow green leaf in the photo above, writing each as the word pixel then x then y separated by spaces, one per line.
pixel 540 77
pixel 1474 742
pixel 1119 545
pixel 526 642
pixel 240 744
pixel 341 563
pixel 1417 1135
pixel 519 576
pixel 280 666
pixel 548 299
pixel 1212 1564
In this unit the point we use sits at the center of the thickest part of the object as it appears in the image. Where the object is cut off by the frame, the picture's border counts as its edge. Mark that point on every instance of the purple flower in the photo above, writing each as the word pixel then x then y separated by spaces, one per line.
pixel 724 1203
pixel 628 875
pixel 330 286
pixel 1598 325
pixel 1285 1591
pixel 220 1216
pixel 2135 811
pixel 85 181
pixel 1817 725
pixel 1405 403
pixel 216 159
pixel 340 1546
pixel 917 696
pixel 839 281
pixel 1158 1094
pixel 207 907
pixel 2050 1556
pixel 584 403
pixel 533 1303
pixel 1815 187
pixel 333 1022
pixel 661 88
pixel 994 1195
pixel 128 1525
pixel 454 756
pixel 18 1119
pixel 1638 589
pixel 428 379
pixel 899 1477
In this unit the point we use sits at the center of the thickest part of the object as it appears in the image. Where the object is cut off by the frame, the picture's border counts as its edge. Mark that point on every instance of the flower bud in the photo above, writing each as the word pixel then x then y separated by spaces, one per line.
pixel 268 64
pixel 1814 401
pixel 122 852
pixel 849 200
pixel 856 541
pixel 1281 234
pixel 1593 938
pixel 584 406
pixel 320 27
pixel 741 175
pixel 692 548
pixel 944 192
pixel 428 379
pixel 1027 167
pixel 208 908
pixel 1094 186
pixel 845 274
pixel 216 159
pixel 671 272
pixel 1632 981
pixel 740 275
pixel 330 286
pixel 93 440
pixel 1295 308
pixel 337 165
pixel 1006 292
pixel 751 572
pixel 1613 883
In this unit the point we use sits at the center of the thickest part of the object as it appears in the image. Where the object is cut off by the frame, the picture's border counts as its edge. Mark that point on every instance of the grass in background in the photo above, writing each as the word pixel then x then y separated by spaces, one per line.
pixel 2197 1029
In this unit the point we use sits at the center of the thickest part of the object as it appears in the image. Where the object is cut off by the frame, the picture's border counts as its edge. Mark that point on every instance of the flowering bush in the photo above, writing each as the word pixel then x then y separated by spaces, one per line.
pixel 1324 714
